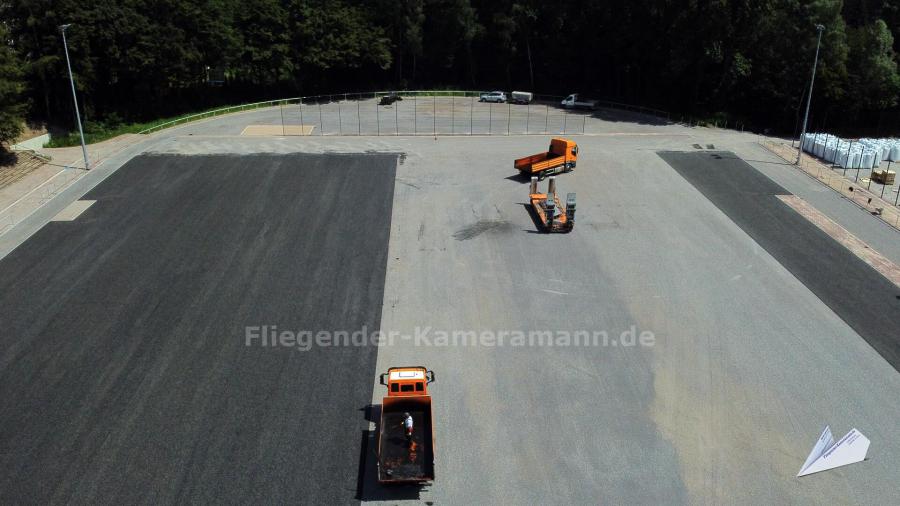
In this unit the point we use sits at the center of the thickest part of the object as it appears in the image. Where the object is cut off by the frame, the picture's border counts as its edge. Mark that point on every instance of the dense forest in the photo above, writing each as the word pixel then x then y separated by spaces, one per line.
pixel 746 60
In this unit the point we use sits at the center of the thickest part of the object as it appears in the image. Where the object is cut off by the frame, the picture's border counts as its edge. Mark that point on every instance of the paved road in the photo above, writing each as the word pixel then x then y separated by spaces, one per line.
pixel 876 233
pixel 748 198
pixel 124 372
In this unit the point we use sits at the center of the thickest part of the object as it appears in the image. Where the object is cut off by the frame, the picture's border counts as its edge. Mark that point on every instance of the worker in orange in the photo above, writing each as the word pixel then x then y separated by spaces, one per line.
pixel 407 424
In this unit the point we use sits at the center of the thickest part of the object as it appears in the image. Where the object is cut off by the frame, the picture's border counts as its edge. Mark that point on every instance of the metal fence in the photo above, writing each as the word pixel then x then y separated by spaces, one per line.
pixel 856 185
pixel 445 112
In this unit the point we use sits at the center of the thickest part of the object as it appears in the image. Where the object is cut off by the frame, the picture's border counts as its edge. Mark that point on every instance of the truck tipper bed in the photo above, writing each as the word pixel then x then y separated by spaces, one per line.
pixel 403 460
pixel 561 156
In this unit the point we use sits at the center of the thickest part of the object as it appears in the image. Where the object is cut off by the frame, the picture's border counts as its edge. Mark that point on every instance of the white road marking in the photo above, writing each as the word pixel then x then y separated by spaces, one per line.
pixel 554 292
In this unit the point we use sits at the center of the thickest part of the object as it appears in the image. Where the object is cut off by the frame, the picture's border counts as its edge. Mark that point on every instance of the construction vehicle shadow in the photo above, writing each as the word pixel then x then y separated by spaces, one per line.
pixel 538 226
pixel 367 486
pixel 519 177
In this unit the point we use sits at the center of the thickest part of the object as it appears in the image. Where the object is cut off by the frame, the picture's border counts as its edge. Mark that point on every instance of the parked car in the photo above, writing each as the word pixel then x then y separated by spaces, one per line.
pixel 390 98
pixel 493 96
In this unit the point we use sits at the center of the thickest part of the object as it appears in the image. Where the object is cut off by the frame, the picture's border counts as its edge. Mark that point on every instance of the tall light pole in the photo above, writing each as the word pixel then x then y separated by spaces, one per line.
pixel 820 29
pixel 62 28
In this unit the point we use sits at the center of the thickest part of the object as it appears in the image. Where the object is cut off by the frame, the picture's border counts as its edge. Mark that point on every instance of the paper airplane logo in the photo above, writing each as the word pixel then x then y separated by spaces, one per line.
pixel 827 454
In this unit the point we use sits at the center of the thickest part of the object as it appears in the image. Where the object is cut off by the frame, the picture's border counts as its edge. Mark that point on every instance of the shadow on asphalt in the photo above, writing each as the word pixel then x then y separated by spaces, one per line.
pixel 617 115
pixel 538 226
pixel 519 177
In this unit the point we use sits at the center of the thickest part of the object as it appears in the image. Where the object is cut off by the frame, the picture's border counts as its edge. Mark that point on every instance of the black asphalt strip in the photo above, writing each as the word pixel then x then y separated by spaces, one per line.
pixel 125 369
pixel 856 292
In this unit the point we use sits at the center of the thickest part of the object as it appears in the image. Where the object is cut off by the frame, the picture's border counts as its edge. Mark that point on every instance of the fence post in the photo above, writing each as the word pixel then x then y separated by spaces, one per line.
pixel 301 115
pixel 508 116
pixel 471 108
pixel 358 120
pixel 897 197
pixel 377 114
pixel 396 117
pixel 846 160
pixel 434 115
pixel 546 117
pixel 583 123
pixel 340 120
pixel 415 114
pixel 565 121
pixel 281 110
pixel 452 114
pixel 321 124
pixel 885 179
pixel 527 116
pixel 490 118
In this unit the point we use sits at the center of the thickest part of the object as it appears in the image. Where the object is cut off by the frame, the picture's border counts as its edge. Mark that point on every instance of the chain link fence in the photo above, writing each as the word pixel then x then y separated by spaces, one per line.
pixel 445 112
pixel 880 200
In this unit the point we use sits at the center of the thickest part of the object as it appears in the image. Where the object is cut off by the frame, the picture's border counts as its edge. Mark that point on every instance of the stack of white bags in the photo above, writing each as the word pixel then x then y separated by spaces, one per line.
pixel 851 154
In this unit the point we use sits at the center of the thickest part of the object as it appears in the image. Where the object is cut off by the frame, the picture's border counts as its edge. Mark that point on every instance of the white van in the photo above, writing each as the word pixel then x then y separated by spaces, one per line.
pixel 574 101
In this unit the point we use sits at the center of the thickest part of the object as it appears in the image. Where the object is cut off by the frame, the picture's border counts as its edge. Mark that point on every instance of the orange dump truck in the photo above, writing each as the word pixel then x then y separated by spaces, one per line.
pixel 549 211
pixel 405 458
pixel 561 157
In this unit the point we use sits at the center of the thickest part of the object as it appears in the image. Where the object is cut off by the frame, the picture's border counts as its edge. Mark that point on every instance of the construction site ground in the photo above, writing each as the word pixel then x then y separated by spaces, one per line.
pixel 128 377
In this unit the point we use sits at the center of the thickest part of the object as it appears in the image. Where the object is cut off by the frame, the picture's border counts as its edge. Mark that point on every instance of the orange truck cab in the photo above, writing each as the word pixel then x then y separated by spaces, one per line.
pixel 562 156
pixel 406 458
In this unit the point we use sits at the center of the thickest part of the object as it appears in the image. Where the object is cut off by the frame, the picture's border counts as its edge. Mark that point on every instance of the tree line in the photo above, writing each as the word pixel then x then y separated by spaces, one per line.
pixel 744 60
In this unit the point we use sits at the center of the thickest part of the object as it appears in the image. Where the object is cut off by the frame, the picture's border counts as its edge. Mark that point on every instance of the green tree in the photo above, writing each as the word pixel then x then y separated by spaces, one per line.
pixel 873 67
pixel 265 55
pixel 450 28
pixel 140 59
pixel 11 87
pixel 331 36
pixel 403 20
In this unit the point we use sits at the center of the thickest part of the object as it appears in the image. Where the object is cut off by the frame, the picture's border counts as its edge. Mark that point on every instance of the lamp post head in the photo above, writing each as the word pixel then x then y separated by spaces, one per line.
pixel 62 28
pixel 820 28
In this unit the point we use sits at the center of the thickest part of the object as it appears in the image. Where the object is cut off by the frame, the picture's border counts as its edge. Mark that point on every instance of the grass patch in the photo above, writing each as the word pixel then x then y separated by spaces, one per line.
pixel 100 131
pixel 94 135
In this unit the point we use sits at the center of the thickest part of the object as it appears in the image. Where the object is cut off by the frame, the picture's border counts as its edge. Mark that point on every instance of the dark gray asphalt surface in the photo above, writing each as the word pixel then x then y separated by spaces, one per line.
pixel 123 367
pixel 856 292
